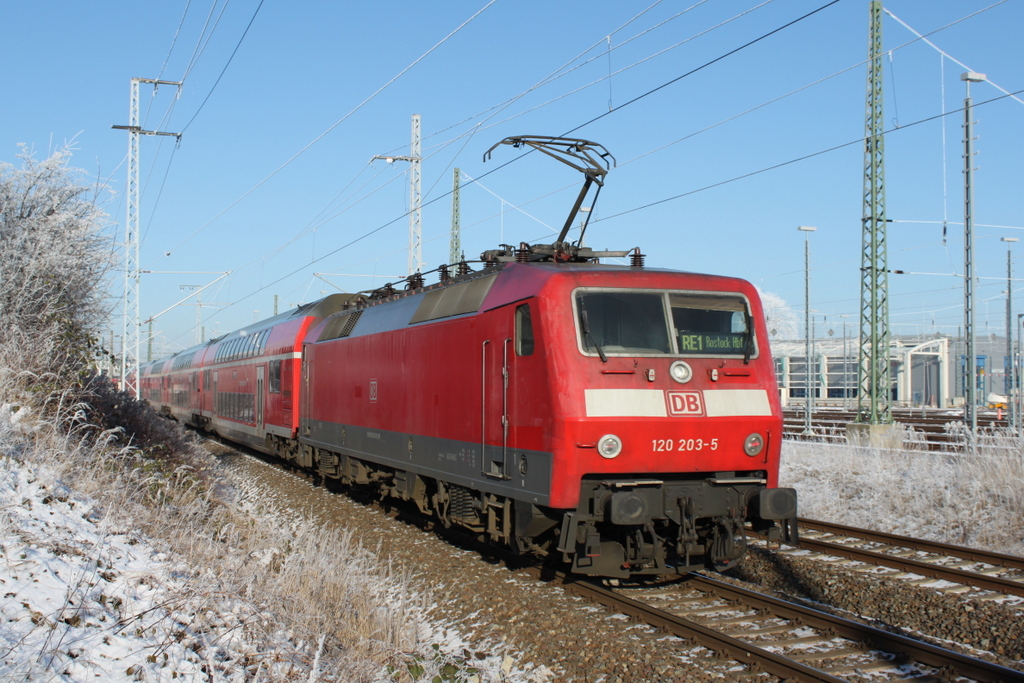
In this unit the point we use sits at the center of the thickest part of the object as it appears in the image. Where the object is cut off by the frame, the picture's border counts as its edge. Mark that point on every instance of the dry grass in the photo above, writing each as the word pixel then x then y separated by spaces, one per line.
pixel 281 599
pixel 973 498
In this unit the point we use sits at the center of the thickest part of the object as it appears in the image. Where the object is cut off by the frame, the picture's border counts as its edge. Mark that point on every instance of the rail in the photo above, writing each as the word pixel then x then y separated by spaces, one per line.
pixel 931 567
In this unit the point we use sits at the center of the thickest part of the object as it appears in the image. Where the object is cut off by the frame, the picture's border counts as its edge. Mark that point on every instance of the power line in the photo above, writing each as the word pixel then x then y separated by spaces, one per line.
pixel 740 177
pixel 702 67
pixel 174 40
pixel 338 122
pixel 469 135
pixel 498 168
pixel 204 39
pixel 564 71
pixel 802 88
pixel 554 75
pixel 950 57
pixel 783 164
pixel 226 65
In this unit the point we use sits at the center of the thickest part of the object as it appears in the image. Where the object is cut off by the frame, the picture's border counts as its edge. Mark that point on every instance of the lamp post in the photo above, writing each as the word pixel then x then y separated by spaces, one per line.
pixel 1010 367
pixel 809 406
pixel 971 400
pixel 846 383
pixel 1019 408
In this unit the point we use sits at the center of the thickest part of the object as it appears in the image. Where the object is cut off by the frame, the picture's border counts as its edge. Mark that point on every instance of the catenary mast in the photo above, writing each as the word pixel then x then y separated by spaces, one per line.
pixel 132 273
pixel 874 397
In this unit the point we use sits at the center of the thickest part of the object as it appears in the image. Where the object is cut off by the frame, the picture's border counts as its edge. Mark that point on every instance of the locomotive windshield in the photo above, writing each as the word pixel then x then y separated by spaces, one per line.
pixel 630 322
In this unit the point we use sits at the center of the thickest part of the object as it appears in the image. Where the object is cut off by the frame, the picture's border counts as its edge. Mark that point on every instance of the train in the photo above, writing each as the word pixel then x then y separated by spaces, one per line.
pixel 622 419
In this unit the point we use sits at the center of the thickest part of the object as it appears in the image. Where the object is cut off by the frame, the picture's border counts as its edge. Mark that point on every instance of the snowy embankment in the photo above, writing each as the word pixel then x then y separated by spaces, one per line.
pixel 84 598
pixel 973 499
pixel 118 568
pixel 103 587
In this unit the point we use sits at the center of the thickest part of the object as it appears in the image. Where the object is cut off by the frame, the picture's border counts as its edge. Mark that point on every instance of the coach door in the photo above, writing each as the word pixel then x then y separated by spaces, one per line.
pixel 306 396
pixel 495 375
pixel 260 397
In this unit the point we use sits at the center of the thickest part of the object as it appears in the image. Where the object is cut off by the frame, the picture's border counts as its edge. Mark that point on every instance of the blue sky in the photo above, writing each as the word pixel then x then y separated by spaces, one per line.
pixel 272 177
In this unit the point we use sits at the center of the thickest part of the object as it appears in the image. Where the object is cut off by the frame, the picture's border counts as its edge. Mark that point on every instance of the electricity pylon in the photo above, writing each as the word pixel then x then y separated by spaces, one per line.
pixel 874 381
pixel 132 311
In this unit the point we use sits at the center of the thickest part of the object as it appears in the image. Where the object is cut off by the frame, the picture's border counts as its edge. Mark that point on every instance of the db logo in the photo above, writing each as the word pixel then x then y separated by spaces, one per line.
pixel 373 391
pixel 684 403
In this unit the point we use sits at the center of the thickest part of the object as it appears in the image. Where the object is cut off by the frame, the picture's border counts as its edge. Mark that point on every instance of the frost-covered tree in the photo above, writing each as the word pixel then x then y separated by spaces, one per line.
pixel 780 316
pixel 54 259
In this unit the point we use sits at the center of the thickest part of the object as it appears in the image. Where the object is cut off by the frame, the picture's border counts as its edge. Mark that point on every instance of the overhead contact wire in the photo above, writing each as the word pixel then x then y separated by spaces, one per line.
pixel 858 141
pixel 620 107
pixel 339 121
pixel 226 65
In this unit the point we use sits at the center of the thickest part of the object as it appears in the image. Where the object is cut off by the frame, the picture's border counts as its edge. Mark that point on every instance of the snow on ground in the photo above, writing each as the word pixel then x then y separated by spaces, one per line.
pixel 975 500
pixel 82 598
pixel 87 598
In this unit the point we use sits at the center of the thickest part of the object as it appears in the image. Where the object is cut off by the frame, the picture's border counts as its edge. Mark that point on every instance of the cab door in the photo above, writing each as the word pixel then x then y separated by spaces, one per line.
pixel 495 371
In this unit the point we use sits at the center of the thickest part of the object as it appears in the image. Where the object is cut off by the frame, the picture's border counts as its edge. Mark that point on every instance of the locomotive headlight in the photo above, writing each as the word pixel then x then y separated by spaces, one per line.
pixel 753 445
pixel 609 446
pixel 680 372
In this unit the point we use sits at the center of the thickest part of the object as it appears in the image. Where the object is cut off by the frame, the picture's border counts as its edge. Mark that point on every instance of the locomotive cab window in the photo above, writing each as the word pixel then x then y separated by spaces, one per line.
pixel 631 322
pixel 524 331
pixel 622 322
pixel 711 325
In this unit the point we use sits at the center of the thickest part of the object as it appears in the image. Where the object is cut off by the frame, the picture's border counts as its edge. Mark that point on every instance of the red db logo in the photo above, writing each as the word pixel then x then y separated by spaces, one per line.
pixel 684 403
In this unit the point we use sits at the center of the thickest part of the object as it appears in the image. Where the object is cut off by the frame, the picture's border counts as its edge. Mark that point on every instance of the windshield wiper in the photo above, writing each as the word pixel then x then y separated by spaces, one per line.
pixel 748 340
pixel 585 324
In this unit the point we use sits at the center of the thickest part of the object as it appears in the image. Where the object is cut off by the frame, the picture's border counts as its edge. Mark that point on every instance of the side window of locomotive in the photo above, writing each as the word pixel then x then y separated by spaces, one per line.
pixel 524 331
pixel 622 322
pixel 710 325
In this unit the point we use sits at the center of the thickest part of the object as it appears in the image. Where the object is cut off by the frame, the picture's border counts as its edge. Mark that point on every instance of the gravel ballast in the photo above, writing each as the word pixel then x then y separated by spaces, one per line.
pixel 558 636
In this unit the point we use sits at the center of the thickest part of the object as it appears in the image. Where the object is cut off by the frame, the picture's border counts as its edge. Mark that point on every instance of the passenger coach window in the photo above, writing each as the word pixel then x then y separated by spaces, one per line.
pixel 524 331
pixel 622 322
pixel 275 376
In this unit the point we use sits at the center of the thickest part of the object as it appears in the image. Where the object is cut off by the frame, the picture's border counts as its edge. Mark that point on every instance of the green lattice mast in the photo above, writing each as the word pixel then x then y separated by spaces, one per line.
pixel 874 399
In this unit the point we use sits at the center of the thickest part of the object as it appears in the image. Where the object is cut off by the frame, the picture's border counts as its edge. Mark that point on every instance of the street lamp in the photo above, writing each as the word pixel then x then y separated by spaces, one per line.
pixel 1020 395
pixel 970 404
pixel 809 407
pixel 1010 367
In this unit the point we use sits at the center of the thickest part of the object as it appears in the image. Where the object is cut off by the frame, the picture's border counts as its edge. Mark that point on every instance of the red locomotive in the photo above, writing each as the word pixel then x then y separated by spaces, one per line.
pixel 627 418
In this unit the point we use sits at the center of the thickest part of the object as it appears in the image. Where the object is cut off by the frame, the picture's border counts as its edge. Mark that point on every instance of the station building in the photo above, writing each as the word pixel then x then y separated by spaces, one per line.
pixel 926 372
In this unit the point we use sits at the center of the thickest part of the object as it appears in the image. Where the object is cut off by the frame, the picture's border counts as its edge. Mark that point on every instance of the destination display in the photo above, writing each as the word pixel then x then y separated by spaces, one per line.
pixel 711 343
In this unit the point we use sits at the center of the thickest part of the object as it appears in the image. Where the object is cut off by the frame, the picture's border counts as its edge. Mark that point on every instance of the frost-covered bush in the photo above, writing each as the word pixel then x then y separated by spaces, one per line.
pixel 129 421
pixel 54 258
pixel 973 497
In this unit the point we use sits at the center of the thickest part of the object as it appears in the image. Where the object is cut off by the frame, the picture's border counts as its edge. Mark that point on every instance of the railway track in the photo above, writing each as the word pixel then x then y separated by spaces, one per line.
pixel 1000 574
pixel 786 639
pixel 800 643
pixel 930 428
